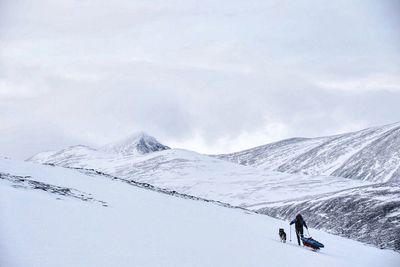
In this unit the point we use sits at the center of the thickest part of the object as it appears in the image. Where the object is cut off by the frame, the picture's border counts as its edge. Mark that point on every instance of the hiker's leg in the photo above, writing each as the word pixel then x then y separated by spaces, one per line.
pixel 298 237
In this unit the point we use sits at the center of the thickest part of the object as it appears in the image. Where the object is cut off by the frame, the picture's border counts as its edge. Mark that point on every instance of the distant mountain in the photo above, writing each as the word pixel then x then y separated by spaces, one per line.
pixel 140 143
pixel 372 154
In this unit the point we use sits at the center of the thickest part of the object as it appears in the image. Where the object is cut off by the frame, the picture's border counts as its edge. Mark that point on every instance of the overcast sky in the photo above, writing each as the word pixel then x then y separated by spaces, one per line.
pixel 212 76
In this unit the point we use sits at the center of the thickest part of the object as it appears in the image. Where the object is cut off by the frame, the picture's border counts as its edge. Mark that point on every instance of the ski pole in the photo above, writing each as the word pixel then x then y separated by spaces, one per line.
pixel 308 232
pixel 290 233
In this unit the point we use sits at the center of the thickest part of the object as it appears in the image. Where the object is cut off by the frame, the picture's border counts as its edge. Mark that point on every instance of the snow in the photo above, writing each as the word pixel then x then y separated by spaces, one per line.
pixel 368 157
pixel 274 193
pixel 368 214
pixel 203 176
pixel 370 154
pixel 139 143
pixel 144 228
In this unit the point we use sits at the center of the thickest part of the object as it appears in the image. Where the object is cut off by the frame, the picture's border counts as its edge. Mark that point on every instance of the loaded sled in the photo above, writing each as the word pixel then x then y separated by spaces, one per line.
pixel 311 243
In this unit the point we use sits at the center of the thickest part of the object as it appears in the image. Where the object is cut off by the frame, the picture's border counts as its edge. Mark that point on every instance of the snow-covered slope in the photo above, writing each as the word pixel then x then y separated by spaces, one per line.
pixel 117 224
pixel 69 154
pixel 203 176
pixel 363 213
pixel 210 178
pixel 372 154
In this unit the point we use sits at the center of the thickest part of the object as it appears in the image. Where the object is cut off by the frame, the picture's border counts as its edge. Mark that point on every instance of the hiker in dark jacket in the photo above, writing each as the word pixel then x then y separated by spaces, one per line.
pixel 299 222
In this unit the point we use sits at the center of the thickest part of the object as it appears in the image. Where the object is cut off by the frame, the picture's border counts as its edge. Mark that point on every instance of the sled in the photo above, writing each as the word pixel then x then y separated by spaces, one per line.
pixel 311 243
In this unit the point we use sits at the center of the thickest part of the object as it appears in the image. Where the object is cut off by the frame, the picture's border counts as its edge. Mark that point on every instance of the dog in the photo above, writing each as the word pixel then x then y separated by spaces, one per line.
pixel 282 235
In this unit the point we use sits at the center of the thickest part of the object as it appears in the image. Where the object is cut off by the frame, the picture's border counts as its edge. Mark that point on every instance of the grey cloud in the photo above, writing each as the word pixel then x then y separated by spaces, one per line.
pixel 222 75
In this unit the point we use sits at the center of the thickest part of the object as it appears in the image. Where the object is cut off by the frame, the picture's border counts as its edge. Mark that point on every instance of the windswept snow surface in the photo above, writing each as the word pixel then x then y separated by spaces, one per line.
pixel 196 174
pixel 245 186
pixel 372 154
pixel 144 228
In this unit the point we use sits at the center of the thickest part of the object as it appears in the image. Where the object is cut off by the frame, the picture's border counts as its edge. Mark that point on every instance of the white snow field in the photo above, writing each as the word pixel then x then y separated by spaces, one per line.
pixel 46 222
pixel 352 208
pixel 192 173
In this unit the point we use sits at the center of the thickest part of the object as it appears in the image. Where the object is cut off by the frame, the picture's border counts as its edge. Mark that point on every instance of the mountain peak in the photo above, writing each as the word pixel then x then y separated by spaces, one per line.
pixel 138 143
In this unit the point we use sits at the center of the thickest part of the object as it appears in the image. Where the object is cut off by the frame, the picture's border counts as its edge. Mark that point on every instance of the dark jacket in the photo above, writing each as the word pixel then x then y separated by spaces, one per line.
pixel 299 222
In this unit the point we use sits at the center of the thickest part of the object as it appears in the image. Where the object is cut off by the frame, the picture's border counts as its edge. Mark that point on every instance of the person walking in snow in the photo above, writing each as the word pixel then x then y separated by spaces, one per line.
pixel 299 222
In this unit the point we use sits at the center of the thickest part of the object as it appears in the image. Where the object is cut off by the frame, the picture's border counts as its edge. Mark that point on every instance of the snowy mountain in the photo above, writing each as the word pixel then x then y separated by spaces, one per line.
pixel 140 143
pixel 372 154
pixel 191 173
pixel 53 216
pixel 135 145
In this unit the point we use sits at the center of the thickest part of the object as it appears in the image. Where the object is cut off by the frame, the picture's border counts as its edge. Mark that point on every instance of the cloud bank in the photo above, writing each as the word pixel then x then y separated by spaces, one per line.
pixel 213 76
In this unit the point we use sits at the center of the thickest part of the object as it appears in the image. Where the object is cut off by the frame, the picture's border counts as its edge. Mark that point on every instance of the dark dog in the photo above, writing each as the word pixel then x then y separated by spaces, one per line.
pixel 282 235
